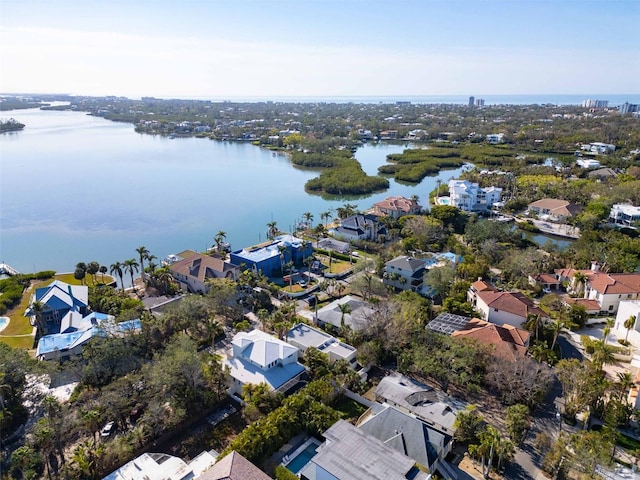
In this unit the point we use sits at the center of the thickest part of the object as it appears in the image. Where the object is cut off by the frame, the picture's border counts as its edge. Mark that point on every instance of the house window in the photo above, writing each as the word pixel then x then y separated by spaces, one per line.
pixel 495 309
pixel 610 307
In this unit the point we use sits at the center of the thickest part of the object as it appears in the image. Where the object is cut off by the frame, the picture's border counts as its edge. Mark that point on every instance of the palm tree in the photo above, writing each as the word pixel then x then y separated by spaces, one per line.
pixel 37 308
pixel 116 268
pixel 308 217
pixel 103 270
pixel 607 329
pixel 131 266
pixel 143 254
pixel 272 229
pixel 80 272
pixel 602 354
pixel 533 323
pixel 219 240
pixel 629 323
pixel 152 265
pixel 579 280
pixel 345 309
pixel 325 216
pixel 555 326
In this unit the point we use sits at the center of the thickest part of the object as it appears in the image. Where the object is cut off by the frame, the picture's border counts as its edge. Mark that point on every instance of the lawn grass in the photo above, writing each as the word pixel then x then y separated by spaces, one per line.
pixel 628 443
pixel 349 409
pixel 88 280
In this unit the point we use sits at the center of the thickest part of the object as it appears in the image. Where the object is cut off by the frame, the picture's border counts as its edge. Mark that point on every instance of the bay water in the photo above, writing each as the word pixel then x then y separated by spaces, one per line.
pixel 77 188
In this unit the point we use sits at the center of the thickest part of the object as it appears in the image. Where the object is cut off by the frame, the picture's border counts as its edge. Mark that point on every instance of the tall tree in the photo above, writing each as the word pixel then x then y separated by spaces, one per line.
pixel 116 268
pixel 80 271
pixel 219 240
pixel 272 229
pixel 92 269
pixel 143 254
pixel 131 266
pixel 629 323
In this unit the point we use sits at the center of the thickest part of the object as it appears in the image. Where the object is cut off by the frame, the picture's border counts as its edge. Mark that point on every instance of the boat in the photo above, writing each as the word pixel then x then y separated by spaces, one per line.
pixel 10 125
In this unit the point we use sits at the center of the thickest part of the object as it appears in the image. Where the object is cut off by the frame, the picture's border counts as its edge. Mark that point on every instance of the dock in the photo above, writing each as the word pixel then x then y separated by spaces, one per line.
pixel 8 270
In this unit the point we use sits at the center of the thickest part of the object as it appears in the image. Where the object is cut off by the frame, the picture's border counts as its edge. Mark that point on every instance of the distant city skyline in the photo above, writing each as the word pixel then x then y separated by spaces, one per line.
pixel 276 48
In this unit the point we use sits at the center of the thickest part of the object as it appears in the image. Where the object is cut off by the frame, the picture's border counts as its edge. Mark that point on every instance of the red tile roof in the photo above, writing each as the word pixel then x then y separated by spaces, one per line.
pixel 481 286
pixel 588 304
pixel 611 283
pixel 546 278
pixel 508 342
pixel 398 204
pixel 512 302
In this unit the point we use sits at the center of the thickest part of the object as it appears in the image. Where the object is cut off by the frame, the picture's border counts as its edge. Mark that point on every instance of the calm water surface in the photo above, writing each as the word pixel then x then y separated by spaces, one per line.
pixel 79 188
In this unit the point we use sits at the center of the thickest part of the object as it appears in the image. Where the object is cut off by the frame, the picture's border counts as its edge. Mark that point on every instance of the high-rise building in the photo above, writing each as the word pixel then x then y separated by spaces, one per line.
pixel 471 101
pixel 627 107
pixel 589 103
pixel 479 102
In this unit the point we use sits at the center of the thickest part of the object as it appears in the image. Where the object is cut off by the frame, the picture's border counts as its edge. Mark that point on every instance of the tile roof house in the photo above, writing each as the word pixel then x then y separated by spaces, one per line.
pixel 59 301
pixel 407 434
pixel 395 207
pixel 506 307
pixel 349 453
pixel 234 467
pixel 193 269
pixel 357 318
pixel 436 408
pixel 404 273
pixel 546 281
pixel 508 342
pixel 553 209
pixel 476 287
pixel 257 357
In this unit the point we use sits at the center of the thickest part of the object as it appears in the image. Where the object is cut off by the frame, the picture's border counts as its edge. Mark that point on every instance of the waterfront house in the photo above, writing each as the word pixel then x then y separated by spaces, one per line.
pixel 395 207
pixel 349 453
pixel 192 270
pixel 553 209
pixel 470 197
pixel 59 301
pixel 257 357
pixel 359 227
pixel 303 336
pixel 404 273
pixel 269 258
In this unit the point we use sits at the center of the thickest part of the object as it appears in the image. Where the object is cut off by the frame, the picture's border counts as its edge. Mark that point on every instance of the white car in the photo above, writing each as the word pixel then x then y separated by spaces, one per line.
pixel 108 429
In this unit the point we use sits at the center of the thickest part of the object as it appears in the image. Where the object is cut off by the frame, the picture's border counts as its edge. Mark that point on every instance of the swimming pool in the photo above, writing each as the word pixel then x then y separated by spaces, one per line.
pixel 3 322
pixel 302 458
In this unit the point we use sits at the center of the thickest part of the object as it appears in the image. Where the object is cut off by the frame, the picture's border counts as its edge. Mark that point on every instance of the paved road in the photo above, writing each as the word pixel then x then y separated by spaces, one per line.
pixel 527 461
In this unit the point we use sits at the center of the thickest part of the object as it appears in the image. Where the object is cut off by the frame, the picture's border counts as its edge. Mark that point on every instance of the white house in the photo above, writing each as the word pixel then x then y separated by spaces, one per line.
pixel 304 336
pixel 495 138
pixel 598 147
pixel 405 273
pixel 588 163
pixel 510 308
pixel 257 357
pixel 470 197
pixel 624 214
pixel 628 309
pixel 609 289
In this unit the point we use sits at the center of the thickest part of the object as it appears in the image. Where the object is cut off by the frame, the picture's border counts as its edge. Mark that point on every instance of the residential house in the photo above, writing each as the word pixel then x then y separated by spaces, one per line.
pixel 553 209
pixel 510 308
pixel 628 309
pixel 404 273
pixel 160 466
pixel 193 270
pixel 349 453
pixel 591 307
pixel 588 163
pixel 59 300
pixel 77 331
pixel 396 207
pixel 270 258
pixel 603 174
pixel 495 138
pixel 598 147
pixel 359 227
pixel 547 281
pixel 408 435
pixel 447 323
pixel 303 336
pixel 477 287
pixel 470 197
pixel 355 315
pixel 434 407
pixel 508 342
pixel 627 215
pixel 257 357
pixel 234 467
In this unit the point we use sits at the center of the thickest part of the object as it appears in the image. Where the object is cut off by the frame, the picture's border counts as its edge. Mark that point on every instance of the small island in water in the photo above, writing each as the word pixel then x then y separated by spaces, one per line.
pixel 10 125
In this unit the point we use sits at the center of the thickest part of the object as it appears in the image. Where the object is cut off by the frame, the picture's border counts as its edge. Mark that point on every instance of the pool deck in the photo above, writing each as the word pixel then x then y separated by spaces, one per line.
pixel 289 457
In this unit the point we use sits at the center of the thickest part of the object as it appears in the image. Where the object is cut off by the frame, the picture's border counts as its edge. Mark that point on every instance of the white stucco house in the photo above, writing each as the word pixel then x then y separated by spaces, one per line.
pixel 628 309
pixel 257 357
pixel 470 197
pixel 511 308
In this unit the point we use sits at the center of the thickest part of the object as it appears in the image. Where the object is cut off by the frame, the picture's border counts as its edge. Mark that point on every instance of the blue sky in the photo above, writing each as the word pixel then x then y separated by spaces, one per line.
pixel 262 48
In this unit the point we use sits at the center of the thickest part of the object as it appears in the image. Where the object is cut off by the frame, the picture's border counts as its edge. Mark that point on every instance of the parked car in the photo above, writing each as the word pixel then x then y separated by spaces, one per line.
pixel 108 429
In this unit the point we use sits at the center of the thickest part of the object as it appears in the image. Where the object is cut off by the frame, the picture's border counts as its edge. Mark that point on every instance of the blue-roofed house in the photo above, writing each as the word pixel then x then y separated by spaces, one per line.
pixel 59 300
pixel 78 332
pixel 269 258
pixel 257 357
